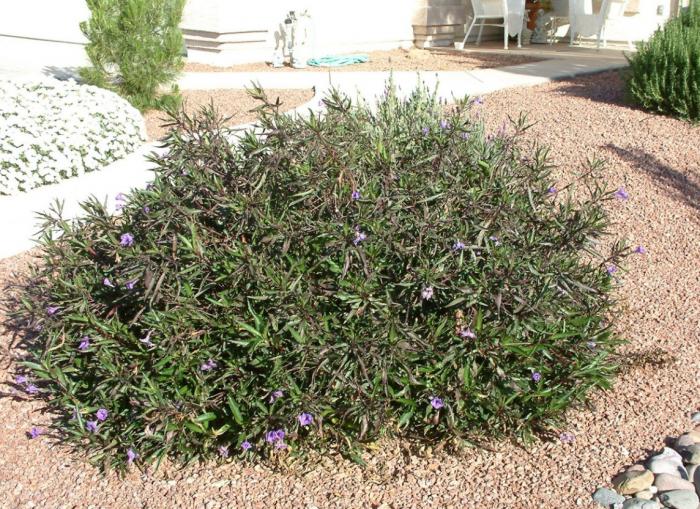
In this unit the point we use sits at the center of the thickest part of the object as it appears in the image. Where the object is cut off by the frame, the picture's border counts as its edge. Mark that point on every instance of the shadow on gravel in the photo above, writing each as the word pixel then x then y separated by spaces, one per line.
pixel 612 91
pixel 679 186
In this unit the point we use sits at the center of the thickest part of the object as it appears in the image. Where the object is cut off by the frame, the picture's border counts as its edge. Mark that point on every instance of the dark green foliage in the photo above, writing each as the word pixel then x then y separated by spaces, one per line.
pixel 135 47
pixel 664 74
pixel 251 256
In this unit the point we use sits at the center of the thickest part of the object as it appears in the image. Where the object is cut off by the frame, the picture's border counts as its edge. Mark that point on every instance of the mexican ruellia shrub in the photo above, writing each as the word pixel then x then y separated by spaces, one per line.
pixel 135 47
pixel 327 280
pixel 664 75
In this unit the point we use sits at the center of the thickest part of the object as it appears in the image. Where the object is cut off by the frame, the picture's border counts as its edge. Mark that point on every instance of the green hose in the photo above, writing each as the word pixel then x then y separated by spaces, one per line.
pixel 338 61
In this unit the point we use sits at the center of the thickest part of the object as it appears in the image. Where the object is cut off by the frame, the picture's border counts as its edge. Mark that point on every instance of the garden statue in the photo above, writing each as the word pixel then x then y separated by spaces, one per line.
pixel 539 35
pixel 300 40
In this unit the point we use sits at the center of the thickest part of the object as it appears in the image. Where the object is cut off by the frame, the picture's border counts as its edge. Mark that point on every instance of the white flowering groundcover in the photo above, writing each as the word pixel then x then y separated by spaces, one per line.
pixel 52 130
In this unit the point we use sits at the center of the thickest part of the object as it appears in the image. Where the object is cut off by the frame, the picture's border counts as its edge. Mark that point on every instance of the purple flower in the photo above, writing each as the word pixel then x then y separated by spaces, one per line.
pixel 35 432
pixel 131 455
pixel 84 343
pixel 126 240
pixel 495 240
pixel 458 246
pixel 436 403
pixel 120 197
pixel 21 379
pixel 567 437
pixel 51 310
pixel 425 131
pixel 465 136
pixel 209 365
pixel 276 395
pixel 444 124
pixel 479 100
pixel 146 209
pixel 621 194
pixel 273 436
pixel 147 340
pixel 31 389
pixel 640 250
pixel 359 236
pixel 223 451
pixel 611 269
pixel 246 446
pixel 552 190
pixel 107 282
pixel 536 376
pixel 356 195
pixel 466 332
pixel 427 293
pixel 591 345
pixel 131 284
pixel 305 419
pixel 91 426
pixel 102 414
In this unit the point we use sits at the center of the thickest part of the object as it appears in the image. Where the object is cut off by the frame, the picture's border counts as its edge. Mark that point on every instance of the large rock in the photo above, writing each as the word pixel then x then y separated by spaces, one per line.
pixel 680 499
pixel 692 454
pixel 607 497
pixel 668 482
pixel 638 503
pixel 667 466
pixel 633 481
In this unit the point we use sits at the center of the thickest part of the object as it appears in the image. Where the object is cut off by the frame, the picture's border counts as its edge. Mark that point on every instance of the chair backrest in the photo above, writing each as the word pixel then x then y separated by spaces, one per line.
pixel 580 8
pixel 614 9
pixel 494 8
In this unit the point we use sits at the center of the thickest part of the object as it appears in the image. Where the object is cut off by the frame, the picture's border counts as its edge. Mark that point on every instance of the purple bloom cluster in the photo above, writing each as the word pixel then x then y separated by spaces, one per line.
pixel 21 379
pixel 536 376
pixel 52 310
pixel 552 190
pixel 425 131
pixel 209 365
pixel 436 403
pixel 444 124
pixel 91 426
pixel 131 455
pixel 276 437
pixel 611 269
pixel 126 240
pixel 359 236
pixel 131 284
pixel 102 414
pixel 427 293
pixel 458 246
pixel 495 240
pixel 84 343
pixel 121 201
pixel 567 437
pixel 356 195
pixel 466 332
pixel 276 395
pixel 31 389
pixel 479 100
pixel 621 194
pixel 223 451
pixel 107 282
pixel 246 446
pixel 35 433
pixel 640 250
pixel 305 419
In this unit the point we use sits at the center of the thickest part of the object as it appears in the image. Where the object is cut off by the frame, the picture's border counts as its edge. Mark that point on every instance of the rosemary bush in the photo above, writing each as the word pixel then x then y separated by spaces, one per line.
pixel 325 281
pixel 664 74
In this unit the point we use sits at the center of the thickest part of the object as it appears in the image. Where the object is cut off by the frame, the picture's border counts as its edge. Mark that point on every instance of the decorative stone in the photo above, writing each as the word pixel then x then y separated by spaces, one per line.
pixel 683 441
pixel 645 495
pixel 637 468
pixel 607 497
pixel 692 454
pixel 668 482
pixel 691 472
pixel 638 503
pixel 696 479
pixel 680 499
pixel 667 466
pixel 695 417
pixel 632 481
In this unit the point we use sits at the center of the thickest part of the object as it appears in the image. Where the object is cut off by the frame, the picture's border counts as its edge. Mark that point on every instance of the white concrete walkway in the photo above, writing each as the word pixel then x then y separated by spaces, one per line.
pixel 19 212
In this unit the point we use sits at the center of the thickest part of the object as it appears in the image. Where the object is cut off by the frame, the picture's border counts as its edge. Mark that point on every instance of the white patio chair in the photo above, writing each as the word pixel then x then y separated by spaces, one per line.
pixel 586 23
pixel 511 13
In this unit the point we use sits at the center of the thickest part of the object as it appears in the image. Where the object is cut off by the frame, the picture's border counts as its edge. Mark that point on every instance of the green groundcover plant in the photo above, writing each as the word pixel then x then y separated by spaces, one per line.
pixel 135 47
pixel 330 279
pixel 664 74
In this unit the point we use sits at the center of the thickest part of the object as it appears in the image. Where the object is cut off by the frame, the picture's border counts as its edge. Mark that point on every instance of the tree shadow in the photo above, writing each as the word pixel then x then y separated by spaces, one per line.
pixel 61 73
pixel 678 185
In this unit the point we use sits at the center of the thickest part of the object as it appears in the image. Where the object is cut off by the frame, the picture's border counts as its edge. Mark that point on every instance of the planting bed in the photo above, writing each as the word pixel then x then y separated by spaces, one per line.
pixel 656 161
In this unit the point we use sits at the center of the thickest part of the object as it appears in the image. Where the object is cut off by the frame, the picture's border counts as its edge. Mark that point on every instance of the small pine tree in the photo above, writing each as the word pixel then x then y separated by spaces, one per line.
pixel 665 73
pixel 135 46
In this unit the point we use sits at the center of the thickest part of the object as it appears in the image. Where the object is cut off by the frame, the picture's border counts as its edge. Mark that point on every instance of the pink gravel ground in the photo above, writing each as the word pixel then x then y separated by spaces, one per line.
pixel 657 159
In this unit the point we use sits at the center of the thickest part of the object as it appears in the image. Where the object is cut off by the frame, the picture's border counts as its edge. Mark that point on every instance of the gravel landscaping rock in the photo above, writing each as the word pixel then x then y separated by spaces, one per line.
pixel 691 454
pixel 656 160
pixel 632 481
pixel 668 482
pixel 638 503
pixel 680 499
